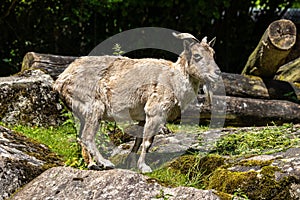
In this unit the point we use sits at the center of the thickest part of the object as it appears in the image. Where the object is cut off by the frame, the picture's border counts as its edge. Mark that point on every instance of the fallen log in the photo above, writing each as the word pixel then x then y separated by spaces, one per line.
pixel 272 50
pixel 50 64
pixel 247 112
pixel 256 87
pixel 289 72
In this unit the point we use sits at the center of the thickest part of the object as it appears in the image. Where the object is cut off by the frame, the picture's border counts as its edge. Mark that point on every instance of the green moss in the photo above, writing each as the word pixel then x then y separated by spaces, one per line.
pixel 115 133
pixel 196 163
pixel 251 163
pixel 255 185
pixel 227 181
pixel 224 196
pixel 119 159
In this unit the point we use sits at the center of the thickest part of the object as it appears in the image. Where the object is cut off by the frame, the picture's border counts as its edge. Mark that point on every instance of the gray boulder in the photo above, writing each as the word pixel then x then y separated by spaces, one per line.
pixel 21 160
pixel 27 98
pixel 69 183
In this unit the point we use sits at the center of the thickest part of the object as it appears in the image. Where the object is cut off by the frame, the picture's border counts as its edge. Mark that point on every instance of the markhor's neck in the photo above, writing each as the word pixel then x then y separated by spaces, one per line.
pixel 182 65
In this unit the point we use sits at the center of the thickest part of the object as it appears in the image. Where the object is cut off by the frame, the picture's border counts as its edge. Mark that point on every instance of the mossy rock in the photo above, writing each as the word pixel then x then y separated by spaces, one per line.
pixel 197 167
pixel 254 184
pixel 206 164
pixel 27 98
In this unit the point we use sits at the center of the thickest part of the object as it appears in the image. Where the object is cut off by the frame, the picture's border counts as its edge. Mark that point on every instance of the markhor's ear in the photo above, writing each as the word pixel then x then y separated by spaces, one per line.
pixel 212 42
pixel 186 45
pixel 187 49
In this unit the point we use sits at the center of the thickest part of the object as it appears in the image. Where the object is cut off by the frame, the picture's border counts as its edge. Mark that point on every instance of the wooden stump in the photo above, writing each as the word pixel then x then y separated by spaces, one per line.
pixel 272 50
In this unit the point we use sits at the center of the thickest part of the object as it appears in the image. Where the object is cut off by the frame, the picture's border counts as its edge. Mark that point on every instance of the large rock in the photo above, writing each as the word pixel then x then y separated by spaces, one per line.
pixel 69 183
pixel 21 160
pixel 27 98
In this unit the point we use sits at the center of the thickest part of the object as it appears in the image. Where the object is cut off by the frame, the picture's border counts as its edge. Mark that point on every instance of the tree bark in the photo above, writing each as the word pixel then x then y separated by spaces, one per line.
pixel 249 112
pixel 289 72
pixel 50 64
pixel 295 51
pixel 272 50
pixel 256 87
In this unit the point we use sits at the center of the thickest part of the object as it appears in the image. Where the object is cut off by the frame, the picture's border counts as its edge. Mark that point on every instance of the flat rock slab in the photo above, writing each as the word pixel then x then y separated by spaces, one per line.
pixel 117 184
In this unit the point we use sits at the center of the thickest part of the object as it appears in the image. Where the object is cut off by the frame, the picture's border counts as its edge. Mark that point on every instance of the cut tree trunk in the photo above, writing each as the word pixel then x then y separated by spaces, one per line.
pixel 295 51
pixel 272 50
pixel 289 72
pixel 50 64
pixel 248 112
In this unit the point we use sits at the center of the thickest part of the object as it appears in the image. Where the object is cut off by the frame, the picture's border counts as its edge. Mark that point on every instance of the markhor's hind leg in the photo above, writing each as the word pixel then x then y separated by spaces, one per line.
pixel 89 131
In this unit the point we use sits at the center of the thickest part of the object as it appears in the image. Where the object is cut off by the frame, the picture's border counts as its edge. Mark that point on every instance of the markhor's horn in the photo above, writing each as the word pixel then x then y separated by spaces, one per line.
pixel 185 36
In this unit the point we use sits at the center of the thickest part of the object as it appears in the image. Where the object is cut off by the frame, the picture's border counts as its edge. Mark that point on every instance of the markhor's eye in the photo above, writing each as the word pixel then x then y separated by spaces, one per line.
pixel 197 57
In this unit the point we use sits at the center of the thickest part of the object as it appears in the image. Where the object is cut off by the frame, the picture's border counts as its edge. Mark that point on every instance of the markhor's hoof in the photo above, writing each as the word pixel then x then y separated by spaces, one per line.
pixel 94 167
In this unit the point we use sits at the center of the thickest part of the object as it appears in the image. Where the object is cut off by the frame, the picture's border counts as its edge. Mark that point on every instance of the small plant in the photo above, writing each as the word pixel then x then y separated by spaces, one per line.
pixel 163 195
pixel 117 50
pixel 292 96
pixel 239 194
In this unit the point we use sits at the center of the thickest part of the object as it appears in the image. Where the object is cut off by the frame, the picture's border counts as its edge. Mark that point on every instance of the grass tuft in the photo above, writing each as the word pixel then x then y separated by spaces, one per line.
pixel 266 140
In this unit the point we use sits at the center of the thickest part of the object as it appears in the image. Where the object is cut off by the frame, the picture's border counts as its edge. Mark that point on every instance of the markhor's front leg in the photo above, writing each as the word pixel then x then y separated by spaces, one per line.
pixel 155 120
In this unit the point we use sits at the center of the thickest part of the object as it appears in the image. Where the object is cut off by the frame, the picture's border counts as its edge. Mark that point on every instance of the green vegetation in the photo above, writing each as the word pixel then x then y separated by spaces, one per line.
pixel 61 140
pixel 118 50
pixel 163 195
pixel 188 170
pixel 257 141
